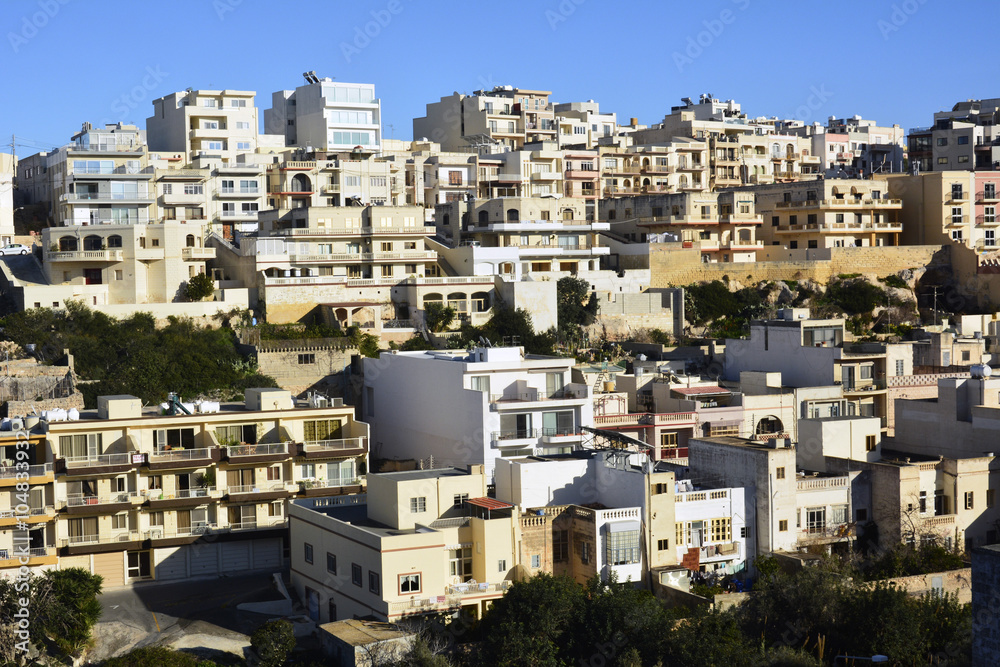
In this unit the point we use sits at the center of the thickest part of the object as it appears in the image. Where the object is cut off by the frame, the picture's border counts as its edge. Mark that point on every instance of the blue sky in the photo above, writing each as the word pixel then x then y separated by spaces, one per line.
pixel 69 61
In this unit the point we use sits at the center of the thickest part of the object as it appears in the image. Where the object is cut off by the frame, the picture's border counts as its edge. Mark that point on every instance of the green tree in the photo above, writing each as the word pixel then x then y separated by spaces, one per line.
pixel 64 609
pixel 438 316
pixel 272 642
pixel 576 305
pixel 157 656
pixel 200 286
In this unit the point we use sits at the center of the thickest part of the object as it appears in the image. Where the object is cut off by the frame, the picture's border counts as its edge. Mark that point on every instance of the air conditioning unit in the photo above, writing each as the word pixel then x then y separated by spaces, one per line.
pixel 156 533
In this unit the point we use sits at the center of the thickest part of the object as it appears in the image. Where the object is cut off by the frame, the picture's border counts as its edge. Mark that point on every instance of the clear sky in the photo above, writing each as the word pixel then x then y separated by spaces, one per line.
pixel 69 61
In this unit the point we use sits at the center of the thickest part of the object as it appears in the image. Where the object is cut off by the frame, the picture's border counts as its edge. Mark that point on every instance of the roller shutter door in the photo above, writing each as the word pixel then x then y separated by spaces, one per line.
pixel 204 559
pixel 235 557
pixel 267 554
pixel 111 566
pixel 171 563
pixel 75 561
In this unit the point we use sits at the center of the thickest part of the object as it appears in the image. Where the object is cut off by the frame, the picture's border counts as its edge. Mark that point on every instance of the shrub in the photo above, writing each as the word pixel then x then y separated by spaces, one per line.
pixel 272 642
pixel 199 287
pixel 894 281
pixel 438 316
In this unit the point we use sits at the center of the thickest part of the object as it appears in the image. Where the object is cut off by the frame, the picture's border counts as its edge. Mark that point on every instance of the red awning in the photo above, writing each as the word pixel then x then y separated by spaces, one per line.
pixel 489 503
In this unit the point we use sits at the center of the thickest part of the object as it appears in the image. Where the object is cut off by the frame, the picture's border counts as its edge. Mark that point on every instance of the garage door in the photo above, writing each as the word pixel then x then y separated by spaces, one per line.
pixel 267 554
pixel 235 557
pixel 112 567
pixel 203 559
pixel 75 561
pixel 171 563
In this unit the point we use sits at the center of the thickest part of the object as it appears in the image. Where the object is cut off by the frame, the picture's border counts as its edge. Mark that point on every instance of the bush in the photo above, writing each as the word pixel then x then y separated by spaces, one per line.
pixel 856 297
pixel 438 316
pixel 199 287
pixel 894 281
pixel 157 656
pixel 272 642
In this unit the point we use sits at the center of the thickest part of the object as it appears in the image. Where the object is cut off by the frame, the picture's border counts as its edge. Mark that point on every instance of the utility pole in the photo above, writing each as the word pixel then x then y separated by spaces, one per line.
pixel 935 288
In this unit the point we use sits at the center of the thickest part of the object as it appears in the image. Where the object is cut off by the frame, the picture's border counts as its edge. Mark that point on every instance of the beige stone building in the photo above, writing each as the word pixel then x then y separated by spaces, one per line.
pixel 681 165
pixel 222 123
pixel 829 213
pixel 420 542
pixel 133 494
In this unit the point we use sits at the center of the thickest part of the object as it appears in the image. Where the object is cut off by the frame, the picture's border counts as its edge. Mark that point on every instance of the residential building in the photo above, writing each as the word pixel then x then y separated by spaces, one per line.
pixel 334 179
pixel 27 520
pixel 947 207
pixel 517 237
pixel 435 177
pixel 582 125
pixel 327 115
pixel 681 165
pixel 852 147
pixel 420 542
pixel 533 170
pixel 503 117
pixel 510 404
pixel 7 171
pixel 814 353
pixel 33 184
pixel 135 494
pixel 723 225
pixel 221 123
pixel 828 213
pixel 963 138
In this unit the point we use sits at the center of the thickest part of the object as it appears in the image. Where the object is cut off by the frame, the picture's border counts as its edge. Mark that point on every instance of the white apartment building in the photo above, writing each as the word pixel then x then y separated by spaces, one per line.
pixel 327 115
pixel 581 124
pixel 7 169
pixel 488 403
pixel 221 123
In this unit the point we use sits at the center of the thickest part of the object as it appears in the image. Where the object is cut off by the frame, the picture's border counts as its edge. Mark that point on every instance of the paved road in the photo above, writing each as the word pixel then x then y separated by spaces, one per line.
pixel 174 613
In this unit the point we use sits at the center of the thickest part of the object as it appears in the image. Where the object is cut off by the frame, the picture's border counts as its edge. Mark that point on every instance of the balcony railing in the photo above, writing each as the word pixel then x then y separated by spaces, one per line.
pixel 9 472
pixel 984 195
pixel 77 499
pixel 102 460
pixel 166 455
pixel 334 445
pixel 266 487
pixel 536 395
pixel 329 483
pixel 518 434
pixel 239 191
pixel 113 538
pixel 257 450
pixel 85 255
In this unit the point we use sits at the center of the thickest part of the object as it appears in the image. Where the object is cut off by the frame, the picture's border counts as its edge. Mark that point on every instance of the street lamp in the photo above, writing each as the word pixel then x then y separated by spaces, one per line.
pixel 875 658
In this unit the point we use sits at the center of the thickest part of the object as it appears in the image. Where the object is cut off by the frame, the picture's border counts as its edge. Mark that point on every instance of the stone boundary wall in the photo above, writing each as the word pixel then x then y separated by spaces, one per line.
pixel 672 265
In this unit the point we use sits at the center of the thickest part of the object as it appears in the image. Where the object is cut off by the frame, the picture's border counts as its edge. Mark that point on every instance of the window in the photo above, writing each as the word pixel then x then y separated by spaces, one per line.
pixel 480 383
pixel 899 366
pixel 793 244
pixel 963 158
pixel 331 563
pixel 585 552
pixel 460 563
pixel 459 499
pixel 942 141
pixel 560 546
pixel 783 525
pixel 870 443
pixel 720 431
pixel 194 188
pixel 722 530
pixel 274 473
pixel 118 274
pixel 305 359
pixel 156 519
pixel 355 574
pixel 662 545
pixel 622 547
pixel 373 583
pixel 418 505
pixel 409 583
pixel 865 372
pixel 962 141
pixel 536 561
pixel 923 502
pixel 968 500
pixel 120 521
pixel 779 473
pixel 989 497
pixel 502 565
pixel 237 103
pixel 308 551
pixel 942 160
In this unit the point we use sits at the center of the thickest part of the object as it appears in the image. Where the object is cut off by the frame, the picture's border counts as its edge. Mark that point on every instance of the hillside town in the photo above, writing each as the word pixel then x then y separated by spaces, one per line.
pixel 539 339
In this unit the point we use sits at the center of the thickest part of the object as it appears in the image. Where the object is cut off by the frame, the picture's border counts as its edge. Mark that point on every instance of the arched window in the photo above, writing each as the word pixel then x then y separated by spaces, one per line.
pixel 513 215
pixel 67 243
pixel 484 217
pixel 114 241
pixel 300 183
pixel 189 241
pixel 92 242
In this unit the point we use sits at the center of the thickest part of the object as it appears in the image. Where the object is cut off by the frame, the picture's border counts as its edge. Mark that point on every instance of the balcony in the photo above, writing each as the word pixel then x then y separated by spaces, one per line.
pixel 157 500
pixel 825 534
pixel 158 537
pixel 822 483
pixel 37 474
pixel 107 197
pixel 272 490
pixel 560 436
pixel 100 464
pixel 256 453
pixel 515 438
pixel 956 220
pixel 88 544
pixel 11 517
pixel 175 459
pixel 244 215
pixel 841 204
pixel 330 487
pixel 715 552
pixel 842 227
pixel 78 503
pixel 85 256
pixel 197 254
pixel 339 448
pixel 36 556
pixel 987 196
pixel 517 399
pixel 545 175
pixel 451 600
pixel 239 192
pixel 957 196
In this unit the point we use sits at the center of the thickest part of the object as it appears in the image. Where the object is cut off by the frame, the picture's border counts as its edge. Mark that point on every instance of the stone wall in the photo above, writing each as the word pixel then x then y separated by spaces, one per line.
pixel 673 265
pixel 21 408
pixel 326 366
pixel 958 582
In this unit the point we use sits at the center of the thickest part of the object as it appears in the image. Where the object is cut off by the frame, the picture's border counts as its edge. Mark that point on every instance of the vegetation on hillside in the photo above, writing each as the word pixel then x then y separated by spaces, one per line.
pixel 133 356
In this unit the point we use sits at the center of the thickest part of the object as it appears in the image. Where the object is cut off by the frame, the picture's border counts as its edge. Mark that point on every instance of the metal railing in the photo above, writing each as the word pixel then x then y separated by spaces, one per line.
pixel 334 445
pixel 256 488
pixel 123 536
pixel 8 472
pixel 257 450
pixel 329 483
pixel 180 455
pixel 240 191
pixel 101 460
pixel 536 395
pixel 78 499
pixel 518 434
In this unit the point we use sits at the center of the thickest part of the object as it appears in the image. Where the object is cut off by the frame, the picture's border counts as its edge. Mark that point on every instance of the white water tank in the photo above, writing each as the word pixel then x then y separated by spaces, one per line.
pixel 981 371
